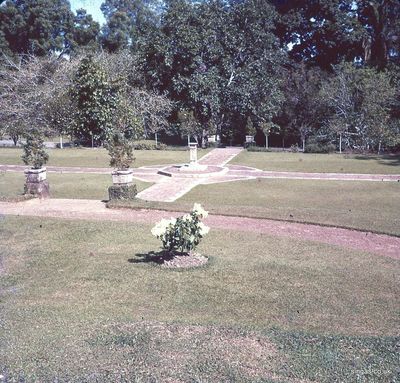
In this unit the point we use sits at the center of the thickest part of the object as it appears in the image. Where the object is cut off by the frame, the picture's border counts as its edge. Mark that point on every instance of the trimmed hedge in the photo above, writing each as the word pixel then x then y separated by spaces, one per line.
pixel 122 192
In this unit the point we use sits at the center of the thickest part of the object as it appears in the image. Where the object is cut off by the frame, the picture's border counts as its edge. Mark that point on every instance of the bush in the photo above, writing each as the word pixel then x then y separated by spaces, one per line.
pixel 122 192
pixel 314 146
pixel 183 233
pixel 34 153
pixel 258 149
pixel 120 150
pixel 149 146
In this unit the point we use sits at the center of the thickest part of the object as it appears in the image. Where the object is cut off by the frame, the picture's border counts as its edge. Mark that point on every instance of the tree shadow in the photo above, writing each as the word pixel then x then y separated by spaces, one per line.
pixel 152 257
pixel 385 159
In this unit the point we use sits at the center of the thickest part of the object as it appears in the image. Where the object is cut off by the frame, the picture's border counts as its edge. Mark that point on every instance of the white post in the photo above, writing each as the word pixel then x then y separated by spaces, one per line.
pixel 193 153
pixel 155 134
pixel 266 141
pixel 61 142
pixel 188 140
pixel 340 142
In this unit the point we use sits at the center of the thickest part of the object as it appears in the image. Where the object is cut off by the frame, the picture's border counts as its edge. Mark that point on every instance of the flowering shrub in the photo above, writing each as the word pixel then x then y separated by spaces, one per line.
pixel 183 233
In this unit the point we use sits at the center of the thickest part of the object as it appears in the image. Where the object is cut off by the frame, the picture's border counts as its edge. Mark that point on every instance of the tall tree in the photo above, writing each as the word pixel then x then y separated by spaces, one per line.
pixel 96 101
pixel 127 21
pixel 360 100
pixel 36 27
pixel 86 31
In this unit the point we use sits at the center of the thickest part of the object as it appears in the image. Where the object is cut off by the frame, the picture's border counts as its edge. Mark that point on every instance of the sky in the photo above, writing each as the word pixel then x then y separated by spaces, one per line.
pixel 92 7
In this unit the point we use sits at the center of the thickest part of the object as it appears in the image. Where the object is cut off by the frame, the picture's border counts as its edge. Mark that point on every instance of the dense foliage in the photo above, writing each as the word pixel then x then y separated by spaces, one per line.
pixel 34 152
pixel 182 233
pixel 210 67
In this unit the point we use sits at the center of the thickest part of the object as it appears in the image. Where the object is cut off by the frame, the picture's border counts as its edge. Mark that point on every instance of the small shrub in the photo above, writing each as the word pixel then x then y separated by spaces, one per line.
pixel 294 148
pixel 258 149
pixel 34 153
pixel 122 192
pixel 314 146
pixel 149 146
pixel 120 150
pixel 183 233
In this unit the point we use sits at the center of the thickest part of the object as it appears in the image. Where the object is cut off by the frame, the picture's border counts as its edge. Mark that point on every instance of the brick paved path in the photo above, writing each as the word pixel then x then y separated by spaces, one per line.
pixel 95 210
pixel 170 189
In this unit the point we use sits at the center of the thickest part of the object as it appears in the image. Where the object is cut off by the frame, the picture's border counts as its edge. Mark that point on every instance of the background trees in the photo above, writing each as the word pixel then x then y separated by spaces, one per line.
pixel 312 68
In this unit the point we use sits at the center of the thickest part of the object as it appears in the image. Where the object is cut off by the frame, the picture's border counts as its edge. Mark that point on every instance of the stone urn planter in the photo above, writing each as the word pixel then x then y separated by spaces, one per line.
pixel 123 187
pixel 36 182
pixel 122 177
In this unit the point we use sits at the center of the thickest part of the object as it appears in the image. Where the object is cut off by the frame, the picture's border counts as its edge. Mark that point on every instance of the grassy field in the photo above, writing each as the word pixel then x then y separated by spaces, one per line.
pixel 361 205
pixel 79 304
pixel 99 157
pixel 315 163
pixel 86 186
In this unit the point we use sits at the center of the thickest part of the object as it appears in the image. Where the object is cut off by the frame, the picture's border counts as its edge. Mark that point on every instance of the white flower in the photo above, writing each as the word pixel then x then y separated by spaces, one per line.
pixel 203 229
pixel 199 210
pixel 187 217
pixel 161 227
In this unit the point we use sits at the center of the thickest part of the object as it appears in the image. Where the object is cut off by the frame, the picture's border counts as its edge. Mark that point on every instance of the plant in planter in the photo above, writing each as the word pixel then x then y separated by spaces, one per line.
pixel 180 236
pixel 120 150
pixel 35 155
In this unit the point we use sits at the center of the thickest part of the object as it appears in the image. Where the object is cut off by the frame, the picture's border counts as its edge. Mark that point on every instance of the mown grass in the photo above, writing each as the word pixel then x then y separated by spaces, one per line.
pixel 99 157
pixel 85 186
pixel 360 205
pixel 78 304
pixel 324 163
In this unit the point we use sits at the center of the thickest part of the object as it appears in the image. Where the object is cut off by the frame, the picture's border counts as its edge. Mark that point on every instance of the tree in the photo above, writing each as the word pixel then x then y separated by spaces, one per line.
pixel 96 101
pixel 128 21
pixel 36 27
pixel 27 88
pixel 326 32
pixel 381 22
pixel 360 100
pixel 86 31
pixel 218 59
pixel 34 152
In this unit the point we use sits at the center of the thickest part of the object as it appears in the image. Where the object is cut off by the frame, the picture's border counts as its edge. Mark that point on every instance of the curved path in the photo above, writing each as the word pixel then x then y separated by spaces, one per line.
pixel 95 210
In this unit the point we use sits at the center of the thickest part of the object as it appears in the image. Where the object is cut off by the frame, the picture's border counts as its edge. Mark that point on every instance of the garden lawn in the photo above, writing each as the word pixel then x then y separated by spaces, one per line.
pixel 79 304
pixel 83 186
pixel 99 157
pixel 319 163
pixel 372 206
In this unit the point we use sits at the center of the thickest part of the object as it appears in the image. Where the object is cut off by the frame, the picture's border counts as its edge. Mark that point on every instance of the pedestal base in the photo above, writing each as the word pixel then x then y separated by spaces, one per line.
pixel 40 189
pixel 122 192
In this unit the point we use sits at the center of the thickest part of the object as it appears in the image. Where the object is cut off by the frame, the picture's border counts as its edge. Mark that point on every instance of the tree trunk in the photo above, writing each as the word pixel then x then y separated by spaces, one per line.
pixel 304 144
pixel 379 147
pixel 266 141
pixel 340 142
pixel 283 143
pixel 15 139
pixel 155 135
pixel 61 142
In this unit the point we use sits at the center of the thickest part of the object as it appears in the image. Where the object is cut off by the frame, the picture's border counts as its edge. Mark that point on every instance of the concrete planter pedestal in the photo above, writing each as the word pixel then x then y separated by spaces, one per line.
pixel 36 183
pixel 122 177
pixel 123 187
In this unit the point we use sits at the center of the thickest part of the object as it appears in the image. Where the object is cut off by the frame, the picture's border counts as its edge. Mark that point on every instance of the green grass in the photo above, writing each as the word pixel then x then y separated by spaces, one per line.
pixel 84 186
pixel 98 157
pixel 315 163
pixel 361 205
pixel 78 304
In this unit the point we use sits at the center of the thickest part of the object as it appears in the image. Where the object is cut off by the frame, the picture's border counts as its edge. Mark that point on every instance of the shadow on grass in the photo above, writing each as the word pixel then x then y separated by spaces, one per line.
pixel 386 159
pixel 151 257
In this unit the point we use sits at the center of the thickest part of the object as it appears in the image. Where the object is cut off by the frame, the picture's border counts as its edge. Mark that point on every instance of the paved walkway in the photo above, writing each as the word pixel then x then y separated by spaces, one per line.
pixel 170 189
pixel 383 245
